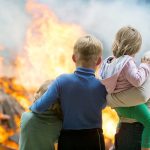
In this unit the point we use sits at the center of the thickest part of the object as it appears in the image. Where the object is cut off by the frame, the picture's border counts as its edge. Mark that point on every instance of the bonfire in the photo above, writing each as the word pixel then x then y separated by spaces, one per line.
pixel 46 53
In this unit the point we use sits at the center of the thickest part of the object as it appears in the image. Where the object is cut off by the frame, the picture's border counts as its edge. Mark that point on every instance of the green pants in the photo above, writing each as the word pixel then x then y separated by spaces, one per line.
pixel 39 131
pixel 142 114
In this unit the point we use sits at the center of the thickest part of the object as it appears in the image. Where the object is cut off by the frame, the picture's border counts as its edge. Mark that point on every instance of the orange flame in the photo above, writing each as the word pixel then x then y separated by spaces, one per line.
pixel 10 86
pixel 4 135
pixel 48 46
pixel 47 54
pixel 110 120
pixel 11 91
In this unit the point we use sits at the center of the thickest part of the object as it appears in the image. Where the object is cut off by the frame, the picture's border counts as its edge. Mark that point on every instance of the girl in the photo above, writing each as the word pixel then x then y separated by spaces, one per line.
pixel 40 131
pixel 120 73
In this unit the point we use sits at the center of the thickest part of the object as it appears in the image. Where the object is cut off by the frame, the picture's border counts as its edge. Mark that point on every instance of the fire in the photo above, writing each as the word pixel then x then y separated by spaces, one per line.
pixel 46 54
pixel 4 135
pixel 10 86
pixel 4 138
pixel 14 99
pixel 110 120
pixel 48 46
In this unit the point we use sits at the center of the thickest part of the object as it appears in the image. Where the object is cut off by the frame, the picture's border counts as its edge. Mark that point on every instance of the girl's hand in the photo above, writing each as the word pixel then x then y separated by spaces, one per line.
pixel 145 60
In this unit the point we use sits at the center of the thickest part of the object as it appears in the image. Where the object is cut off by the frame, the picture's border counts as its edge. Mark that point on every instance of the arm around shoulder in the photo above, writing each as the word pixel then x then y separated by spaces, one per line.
pixel 47 99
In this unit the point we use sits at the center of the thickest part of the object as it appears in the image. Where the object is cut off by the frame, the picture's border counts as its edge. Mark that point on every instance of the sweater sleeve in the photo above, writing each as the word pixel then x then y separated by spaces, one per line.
pixel 136 75
pixel 47 99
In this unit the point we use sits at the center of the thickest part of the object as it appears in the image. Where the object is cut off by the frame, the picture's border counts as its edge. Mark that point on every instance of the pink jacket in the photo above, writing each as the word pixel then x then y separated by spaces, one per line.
pixel 122 73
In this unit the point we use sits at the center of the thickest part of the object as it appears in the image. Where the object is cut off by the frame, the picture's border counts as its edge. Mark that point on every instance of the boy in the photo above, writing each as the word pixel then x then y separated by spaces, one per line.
pixel 82 99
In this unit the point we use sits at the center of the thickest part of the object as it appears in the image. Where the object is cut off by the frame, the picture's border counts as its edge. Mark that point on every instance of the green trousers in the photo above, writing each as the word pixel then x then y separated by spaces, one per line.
pixel 39 132
pixel 142 114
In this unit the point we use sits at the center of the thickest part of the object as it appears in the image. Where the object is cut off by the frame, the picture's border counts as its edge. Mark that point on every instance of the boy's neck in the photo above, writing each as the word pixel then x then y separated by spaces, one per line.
pixel 88 67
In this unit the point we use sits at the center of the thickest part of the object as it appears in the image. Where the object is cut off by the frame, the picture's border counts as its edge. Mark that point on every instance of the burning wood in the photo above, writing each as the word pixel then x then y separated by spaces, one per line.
pixel 13 102
pixel 5 148
pixel 10 107
pixel 46 54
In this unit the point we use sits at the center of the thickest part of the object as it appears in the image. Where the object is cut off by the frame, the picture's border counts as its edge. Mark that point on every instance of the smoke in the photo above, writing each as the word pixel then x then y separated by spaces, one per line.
pixel 13 24
pixel 104 17
pixel 101 18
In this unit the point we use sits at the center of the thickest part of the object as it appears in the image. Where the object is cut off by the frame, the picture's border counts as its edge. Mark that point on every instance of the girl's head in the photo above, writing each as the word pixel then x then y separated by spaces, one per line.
pixel 42 89
pixel 56 108
pixel 127 42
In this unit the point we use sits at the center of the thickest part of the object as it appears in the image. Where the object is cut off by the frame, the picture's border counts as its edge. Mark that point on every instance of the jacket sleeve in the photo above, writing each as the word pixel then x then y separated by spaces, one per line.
pixel 136 75
pixel 47 99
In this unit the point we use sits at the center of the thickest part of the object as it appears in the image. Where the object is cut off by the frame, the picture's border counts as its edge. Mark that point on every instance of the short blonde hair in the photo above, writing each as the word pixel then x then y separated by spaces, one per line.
pixel 88 49
pixel 128 41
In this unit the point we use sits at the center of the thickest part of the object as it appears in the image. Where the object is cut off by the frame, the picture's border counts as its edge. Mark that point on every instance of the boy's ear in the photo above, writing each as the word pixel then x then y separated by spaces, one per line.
pixel 74 58
pixel 99 61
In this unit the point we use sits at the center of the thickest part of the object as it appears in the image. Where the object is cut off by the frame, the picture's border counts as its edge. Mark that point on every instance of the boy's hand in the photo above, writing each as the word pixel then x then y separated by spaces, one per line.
pixel 145 60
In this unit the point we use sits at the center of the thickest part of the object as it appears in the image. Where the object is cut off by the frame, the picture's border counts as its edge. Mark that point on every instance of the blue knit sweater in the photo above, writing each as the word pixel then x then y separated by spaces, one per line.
pixel 82 99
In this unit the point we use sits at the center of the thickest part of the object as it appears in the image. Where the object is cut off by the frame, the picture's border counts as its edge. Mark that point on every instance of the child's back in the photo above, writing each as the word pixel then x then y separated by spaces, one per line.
pixel 121 73
pixel 82 98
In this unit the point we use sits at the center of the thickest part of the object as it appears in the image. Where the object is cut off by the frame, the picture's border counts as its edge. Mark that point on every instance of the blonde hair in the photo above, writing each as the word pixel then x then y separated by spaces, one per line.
pixel 128 41
pixel 56 106
pixel 88 49
pixel 42 89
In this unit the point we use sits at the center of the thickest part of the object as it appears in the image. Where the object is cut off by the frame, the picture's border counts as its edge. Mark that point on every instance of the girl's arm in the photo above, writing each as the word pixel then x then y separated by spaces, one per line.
pixel 136 75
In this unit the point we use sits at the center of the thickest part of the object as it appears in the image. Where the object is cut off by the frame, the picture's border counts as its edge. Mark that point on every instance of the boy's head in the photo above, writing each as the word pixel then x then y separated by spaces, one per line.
pixel 127 42
pixel 87 52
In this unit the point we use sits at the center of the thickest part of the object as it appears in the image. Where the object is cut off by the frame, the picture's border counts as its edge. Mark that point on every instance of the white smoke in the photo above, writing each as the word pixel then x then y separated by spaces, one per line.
pixel 99 17
pixel 104 17
pixel 13 25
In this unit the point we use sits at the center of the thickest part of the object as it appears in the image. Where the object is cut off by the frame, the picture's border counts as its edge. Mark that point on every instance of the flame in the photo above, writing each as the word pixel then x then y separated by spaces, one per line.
pixel 4 135
pixel 46 54
pixel 11 144
pixel 48 46
pixel 10 90
pixel 110 120
pixel 10 87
